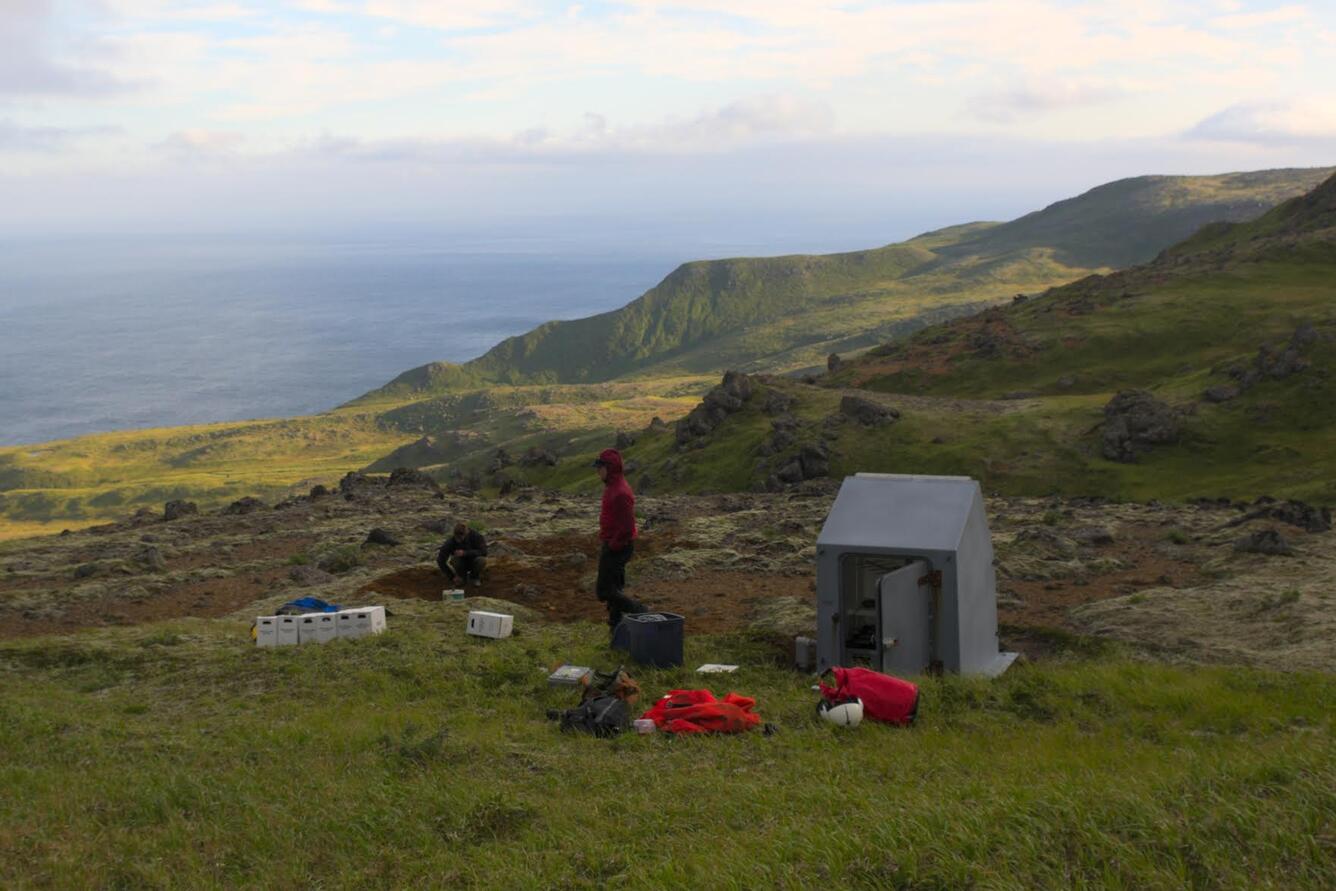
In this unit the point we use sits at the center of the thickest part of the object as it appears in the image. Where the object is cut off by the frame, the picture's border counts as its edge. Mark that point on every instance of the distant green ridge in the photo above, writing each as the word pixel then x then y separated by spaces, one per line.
pixel 775 313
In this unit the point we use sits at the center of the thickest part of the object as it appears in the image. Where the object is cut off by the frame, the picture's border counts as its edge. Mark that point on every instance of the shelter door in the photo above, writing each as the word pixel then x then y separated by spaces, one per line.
pixel 906 614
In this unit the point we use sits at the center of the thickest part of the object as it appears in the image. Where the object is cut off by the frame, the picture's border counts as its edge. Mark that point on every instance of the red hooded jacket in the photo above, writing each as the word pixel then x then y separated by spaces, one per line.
pixel 617 519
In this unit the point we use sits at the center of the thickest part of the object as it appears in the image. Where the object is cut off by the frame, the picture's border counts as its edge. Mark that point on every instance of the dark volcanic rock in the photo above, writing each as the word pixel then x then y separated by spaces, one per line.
pixel 407 476
pixel 867 412
pixel 441 526
pixel 727 398
pixel 1134 422
pixel 151 559
pixel 353 481
pixel 380 536
pixel 87 570
pixel 247 505
pixel 833 362
pixel 175 509
pixel 536 456
pixel 319 491
pixel 1222 393
pixel 624 440
pixel 1293 513
pixel 1092 535
pixel 1264 541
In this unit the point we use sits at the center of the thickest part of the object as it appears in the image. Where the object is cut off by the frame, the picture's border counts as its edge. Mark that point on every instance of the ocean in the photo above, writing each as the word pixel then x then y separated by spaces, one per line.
pixel 99 335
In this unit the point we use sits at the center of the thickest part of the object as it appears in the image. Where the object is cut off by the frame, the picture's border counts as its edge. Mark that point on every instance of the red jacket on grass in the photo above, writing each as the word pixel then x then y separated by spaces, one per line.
pixel 617 519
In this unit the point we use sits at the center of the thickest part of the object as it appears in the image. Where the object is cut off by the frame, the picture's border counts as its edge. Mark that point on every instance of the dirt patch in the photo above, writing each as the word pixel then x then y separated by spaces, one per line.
pixel 546 575
pixel 208 599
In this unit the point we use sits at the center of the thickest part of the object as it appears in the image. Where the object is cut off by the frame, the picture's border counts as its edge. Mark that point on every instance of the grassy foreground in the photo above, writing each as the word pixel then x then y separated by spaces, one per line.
pixel 177 756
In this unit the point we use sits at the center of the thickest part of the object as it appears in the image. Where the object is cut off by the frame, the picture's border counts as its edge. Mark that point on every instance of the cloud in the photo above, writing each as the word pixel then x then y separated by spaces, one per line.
pixel 747 122
pixel 198 142
pixel 1297 121
pixel 1006 106
pixel 1245 21
pixel 28 63
pixel 15 137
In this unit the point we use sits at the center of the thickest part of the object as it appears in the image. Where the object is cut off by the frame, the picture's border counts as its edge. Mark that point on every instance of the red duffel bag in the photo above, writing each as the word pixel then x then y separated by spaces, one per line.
pixel 884 698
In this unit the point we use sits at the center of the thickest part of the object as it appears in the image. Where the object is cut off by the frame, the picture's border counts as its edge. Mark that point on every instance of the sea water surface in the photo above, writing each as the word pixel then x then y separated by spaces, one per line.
pixel 101 334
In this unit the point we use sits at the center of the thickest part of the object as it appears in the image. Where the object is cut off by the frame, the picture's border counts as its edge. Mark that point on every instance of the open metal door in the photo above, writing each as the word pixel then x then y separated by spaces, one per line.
pixel 906 619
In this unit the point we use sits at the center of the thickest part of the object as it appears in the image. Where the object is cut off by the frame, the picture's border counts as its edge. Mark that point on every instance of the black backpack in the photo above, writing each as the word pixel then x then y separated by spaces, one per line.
pixel 602 716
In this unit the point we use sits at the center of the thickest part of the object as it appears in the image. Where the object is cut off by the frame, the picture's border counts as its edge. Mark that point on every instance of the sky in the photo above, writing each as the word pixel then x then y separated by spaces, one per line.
pixel 636 118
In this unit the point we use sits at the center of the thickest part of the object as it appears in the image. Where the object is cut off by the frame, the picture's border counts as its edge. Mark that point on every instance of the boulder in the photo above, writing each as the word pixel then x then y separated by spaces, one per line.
pixel 1134 422
pixel 1293 513
pixel 867 412
pixel 1222 393
pixel 833 362
pixel 318 491
pixel 1264 541
pixel 536 456
pixel 408 476
pixel 624 440
pixel 657 424
pixel 174 510
pixel 380 536
pixel 1092 535
pixel 247 505
pixel 87 570
pixel 777 402
pixel 725 399
pixel 151 559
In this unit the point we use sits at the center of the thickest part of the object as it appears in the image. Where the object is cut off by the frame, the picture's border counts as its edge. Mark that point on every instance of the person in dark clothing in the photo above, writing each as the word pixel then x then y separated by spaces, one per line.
pixel 463 556
pixel 617 532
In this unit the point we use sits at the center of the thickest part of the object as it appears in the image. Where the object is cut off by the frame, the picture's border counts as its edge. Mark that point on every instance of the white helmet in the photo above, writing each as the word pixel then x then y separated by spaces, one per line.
pixel 846 712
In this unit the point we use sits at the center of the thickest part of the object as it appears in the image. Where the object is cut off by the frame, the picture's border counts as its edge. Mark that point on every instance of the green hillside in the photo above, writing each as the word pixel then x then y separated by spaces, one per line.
pixel 788 312
pixel 1231 335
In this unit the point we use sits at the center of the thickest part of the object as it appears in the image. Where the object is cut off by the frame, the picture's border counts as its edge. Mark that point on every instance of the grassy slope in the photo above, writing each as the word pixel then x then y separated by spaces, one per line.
pixel 177 756
pixel 1172 327
pixel 74 482
pixel 784 312
pixel 773 312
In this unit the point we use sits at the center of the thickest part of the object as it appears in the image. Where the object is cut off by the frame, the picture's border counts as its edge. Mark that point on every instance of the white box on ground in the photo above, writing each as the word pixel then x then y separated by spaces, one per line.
pixel 318 628
pixel 361 621
pixel 288 633
pixel 266 631
pixel 484 624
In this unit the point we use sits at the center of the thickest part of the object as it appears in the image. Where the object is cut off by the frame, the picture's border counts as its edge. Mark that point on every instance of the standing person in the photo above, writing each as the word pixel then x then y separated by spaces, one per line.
pixel 463 556
pixel 617 531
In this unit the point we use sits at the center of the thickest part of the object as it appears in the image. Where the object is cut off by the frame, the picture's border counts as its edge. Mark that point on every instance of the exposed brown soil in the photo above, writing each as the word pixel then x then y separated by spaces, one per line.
pixel 1047 603
pixel 207 599
pixel 545 575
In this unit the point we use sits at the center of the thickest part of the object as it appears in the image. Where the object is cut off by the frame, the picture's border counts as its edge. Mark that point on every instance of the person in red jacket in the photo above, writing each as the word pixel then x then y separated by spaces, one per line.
pixel 617 531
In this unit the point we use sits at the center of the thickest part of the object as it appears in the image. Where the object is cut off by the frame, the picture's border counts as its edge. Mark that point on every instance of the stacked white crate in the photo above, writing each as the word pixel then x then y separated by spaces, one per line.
pixel 286 631
pixel 319 628
pixel 266 631
pixel 361 621
pixel 289 631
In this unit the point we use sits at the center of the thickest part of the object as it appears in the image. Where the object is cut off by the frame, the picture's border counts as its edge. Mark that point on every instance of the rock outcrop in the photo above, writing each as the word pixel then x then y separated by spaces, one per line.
pixel 867 412
pixel 726 399
pixel 174 510
pixel 1135 422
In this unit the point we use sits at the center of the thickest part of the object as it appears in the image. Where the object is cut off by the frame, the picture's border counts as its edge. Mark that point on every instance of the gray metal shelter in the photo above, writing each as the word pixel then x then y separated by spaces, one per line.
pixel 904 578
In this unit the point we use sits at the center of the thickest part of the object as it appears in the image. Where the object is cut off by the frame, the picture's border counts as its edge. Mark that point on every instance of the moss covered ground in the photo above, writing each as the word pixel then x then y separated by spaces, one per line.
pixel 176 755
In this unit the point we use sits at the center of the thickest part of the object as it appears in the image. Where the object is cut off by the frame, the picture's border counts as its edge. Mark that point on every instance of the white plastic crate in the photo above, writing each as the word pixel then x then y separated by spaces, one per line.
pixel 318 628
pixel 266 631
pixel 289 631
pixel 494 625
pixel 361 621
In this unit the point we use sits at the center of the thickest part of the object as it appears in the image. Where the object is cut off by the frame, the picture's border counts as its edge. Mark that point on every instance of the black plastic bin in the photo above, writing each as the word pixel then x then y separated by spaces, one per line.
pixel 653 639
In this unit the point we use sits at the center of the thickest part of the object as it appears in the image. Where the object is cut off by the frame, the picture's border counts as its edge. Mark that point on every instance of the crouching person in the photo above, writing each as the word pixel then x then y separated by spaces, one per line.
pixel 463 556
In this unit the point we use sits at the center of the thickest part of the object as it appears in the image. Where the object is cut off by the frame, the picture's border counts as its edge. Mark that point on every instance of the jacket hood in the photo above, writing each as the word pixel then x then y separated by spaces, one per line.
pixel 613 459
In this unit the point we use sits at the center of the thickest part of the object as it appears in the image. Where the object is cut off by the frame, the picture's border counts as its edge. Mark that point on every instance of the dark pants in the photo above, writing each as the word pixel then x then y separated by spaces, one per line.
pixel 611 581
pixel 461 567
